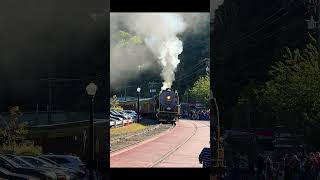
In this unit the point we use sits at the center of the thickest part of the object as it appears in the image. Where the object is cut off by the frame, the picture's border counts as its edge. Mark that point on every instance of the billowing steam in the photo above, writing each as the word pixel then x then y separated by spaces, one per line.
pixel 169 52
pixel 165 44
pixel 161 41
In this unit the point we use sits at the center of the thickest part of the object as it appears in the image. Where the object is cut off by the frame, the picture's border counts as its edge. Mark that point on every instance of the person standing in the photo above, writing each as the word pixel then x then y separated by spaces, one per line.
pixel 205 157
pixel 186 114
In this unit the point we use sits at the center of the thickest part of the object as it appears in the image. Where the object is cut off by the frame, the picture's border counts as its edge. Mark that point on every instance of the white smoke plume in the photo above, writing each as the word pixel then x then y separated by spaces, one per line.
pixel 160 33
pixel 162 40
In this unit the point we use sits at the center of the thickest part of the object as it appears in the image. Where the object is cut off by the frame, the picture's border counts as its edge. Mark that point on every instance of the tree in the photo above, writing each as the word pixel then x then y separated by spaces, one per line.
pixel 13 135
pixel 14 132
pixel 200 91
pixel 293 92
pixel 124 39
pixel 115 103
pixel 245 47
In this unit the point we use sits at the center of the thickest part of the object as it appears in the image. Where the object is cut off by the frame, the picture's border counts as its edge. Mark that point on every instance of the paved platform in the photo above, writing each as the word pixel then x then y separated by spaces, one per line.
pixel 164 149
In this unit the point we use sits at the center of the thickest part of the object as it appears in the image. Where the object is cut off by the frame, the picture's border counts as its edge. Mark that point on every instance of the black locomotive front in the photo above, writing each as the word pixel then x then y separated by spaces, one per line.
pixel 168 109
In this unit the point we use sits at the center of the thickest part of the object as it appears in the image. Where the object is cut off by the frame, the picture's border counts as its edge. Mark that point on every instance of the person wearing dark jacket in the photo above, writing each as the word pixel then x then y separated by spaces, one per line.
pixel 205 157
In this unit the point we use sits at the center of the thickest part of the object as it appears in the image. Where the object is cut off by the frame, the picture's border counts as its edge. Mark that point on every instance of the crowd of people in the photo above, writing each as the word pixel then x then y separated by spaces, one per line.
pixel 196 114
pixel 296 166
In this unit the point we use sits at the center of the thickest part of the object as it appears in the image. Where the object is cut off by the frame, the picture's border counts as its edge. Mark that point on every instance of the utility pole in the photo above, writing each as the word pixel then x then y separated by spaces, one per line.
pixel 125 93
pixel 51 83
pixel 37 113
pixel 124 87
pixel 208 67
pixel 152 88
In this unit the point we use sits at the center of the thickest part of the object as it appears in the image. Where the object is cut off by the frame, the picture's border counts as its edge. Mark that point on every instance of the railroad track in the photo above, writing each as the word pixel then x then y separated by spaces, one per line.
pixel 133 142
pixel 165 156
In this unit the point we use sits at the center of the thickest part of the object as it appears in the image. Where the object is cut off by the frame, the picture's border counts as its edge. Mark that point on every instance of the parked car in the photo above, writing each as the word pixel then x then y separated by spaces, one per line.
pixel 120 120
pixel 44 163
pixel 34 164
pixel 115 122
pixel 11 166
pixel 79 173
pixel 62 174
pixel 19 161
pixel 130 117
pixel 67 161
pixel 112 122
pixel 5 174
pixel 117 114
pixel 124 114
pixel 116 117
pixel 126 117
pixel 132 113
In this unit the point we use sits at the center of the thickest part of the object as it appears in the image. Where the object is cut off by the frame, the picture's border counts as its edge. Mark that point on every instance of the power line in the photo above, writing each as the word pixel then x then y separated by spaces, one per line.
pixel 266 37
pixel 194 70
pixel 205 60
pixel 237 42
pixel 259 24
pixel 201 62
pixel 259 29
pixel 273 34
pixel 190 75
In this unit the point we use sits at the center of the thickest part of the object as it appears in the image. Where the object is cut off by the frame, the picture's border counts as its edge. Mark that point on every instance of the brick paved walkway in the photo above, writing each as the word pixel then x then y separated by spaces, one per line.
pixel 146 154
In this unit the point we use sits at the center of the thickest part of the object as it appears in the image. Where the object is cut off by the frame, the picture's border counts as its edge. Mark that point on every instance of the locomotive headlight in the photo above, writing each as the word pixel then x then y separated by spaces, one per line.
pixel 168 98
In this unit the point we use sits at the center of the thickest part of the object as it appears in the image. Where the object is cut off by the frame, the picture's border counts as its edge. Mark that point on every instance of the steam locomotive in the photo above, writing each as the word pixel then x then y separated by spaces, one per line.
pixel 165 107
pixel 168 107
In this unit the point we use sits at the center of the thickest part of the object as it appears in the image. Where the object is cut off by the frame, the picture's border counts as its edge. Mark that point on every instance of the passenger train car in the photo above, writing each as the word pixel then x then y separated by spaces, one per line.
pixel 165 107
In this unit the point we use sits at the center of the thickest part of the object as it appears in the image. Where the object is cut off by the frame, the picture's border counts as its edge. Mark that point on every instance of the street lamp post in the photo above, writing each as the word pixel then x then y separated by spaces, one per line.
pixel 91 90
pixel 138 104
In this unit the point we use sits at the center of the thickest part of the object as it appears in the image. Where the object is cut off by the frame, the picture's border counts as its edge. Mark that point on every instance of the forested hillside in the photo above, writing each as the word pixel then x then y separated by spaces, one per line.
pixel 248 38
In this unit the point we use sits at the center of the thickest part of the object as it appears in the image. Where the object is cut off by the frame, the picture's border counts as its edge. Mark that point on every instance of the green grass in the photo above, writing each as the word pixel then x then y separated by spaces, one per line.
pixel 24 149
pixel 127 129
